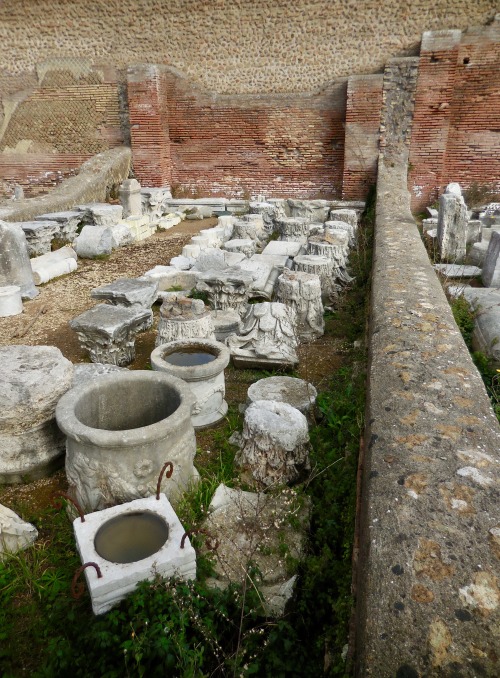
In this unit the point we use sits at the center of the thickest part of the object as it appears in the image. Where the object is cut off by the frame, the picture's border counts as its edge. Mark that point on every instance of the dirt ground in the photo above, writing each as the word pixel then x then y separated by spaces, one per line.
pixel 44 320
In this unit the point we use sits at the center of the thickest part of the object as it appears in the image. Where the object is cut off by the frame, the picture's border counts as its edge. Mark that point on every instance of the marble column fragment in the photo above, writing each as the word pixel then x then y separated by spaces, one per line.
pixel 315 264
pixel 335 246
pixel 302 292
pixel 108 332
pixel 183 319
pixel 274 444
pixel 226 289
pixel 267 339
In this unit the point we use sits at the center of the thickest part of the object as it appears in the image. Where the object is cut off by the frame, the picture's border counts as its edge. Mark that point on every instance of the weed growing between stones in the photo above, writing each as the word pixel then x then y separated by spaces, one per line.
pixel 176 628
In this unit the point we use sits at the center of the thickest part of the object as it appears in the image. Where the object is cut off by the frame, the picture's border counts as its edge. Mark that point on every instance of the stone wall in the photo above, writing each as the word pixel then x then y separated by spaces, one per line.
pixel 428 598
pixel 71 113
pixel 96 180
pixel 456 129
pixel 362 128
pixel 280 145
pixel 230 46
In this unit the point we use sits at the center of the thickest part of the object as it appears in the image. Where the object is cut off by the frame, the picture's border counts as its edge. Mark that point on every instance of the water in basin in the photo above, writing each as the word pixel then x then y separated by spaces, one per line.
pixel 131 537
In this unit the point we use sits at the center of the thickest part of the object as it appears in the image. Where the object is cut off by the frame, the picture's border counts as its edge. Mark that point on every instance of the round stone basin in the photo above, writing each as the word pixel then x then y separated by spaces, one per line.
pixel 188 358
pixel 200 363
pixel 131 537
pixel 111 406
pixel 121 428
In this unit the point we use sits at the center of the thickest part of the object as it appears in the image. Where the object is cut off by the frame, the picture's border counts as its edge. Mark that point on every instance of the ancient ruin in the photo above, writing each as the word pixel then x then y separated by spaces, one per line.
pixel 312 184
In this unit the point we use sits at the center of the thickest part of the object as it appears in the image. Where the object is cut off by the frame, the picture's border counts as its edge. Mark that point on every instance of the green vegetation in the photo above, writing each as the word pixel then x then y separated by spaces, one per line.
pixel 464 317
pixel 188 629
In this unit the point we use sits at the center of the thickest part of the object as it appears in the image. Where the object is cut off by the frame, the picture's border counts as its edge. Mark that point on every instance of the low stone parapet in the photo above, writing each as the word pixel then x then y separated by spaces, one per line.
pixel 428 599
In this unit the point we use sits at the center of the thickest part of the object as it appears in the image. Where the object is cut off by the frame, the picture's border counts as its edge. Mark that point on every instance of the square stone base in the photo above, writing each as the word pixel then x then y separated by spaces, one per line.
pixel 120 579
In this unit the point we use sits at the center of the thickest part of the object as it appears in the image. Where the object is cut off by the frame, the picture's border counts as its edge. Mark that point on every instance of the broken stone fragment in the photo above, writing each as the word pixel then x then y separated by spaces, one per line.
pixel 129 292
pixel 39 235
pixel 250 530
pixel 15 533
pixel 268 337
pixel 301 292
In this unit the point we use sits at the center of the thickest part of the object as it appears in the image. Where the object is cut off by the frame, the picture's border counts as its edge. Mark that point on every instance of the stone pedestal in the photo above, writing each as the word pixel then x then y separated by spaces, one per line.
pixel 15 267
pixel 184 319
pixel 268 337
pixel 130 198
pixel 108 332
pixel 274 444
pixel 452 228
pixel 302 292
pixel 33 380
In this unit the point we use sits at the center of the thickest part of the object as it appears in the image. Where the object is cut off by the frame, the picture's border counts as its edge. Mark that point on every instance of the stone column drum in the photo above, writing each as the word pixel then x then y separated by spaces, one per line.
pixel 203 369
pixel 121 429
pixel 302 292
pixel 184 319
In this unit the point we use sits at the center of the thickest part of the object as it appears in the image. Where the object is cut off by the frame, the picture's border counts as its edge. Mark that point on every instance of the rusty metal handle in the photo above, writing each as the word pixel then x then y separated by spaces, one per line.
pixel 78 587
pixel 211 542
pixel 57 503
pixel 160 478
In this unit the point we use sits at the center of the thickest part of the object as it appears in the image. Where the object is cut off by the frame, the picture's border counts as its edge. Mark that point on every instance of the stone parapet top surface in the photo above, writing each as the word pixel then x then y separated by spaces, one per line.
pixel 428 596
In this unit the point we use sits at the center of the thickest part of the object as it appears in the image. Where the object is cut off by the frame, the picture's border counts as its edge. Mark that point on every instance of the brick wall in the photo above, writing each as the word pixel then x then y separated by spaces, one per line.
pixel 37 173
pixel 456 128
pixel 149 134
pixel 59 124
pixel 362 123
pixel 235 145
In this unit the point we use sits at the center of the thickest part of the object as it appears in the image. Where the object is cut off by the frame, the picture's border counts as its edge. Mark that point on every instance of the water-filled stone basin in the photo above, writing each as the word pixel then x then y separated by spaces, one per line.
pixel 200 363
pixel 131 537
pixel 121 429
